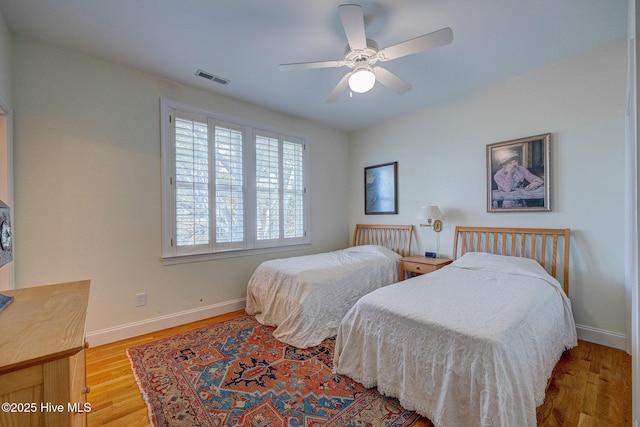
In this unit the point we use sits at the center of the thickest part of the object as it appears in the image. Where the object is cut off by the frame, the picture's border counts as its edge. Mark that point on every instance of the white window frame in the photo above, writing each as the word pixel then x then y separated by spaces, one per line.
pixel 171 254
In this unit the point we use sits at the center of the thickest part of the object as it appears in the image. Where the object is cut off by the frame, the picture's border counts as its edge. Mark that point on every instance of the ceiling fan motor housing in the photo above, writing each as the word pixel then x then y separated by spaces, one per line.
pixel 353 57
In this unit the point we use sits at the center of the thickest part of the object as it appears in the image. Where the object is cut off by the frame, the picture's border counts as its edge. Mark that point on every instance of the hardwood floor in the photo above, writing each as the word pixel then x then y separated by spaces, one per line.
pixel 591 385
pixel 115 397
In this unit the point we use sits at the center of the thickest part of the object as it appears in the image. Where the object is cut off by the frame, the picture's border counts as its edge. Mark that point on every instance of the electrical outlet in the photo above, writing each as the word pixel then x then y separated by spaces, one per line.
pixel 141 299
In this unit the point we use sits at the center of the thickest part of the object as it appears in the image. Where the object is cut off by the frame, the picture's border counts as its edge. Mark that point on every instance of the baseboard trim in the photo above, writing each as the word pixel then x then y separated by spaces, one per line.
pixel 121 332
pixel 602 337
pixel 130 330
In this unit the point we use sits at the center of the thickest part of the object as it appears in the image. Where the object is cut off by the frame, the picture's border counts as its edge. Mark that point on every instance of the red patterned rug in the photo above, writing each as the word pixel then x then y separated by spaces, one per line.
pixel 236 374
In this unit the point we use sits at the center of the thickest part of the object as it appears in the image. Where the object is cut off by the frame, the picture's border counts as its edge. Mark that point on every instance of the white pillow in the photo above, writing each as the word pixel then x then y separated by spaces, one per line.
pixel 499 263
pixel 374 249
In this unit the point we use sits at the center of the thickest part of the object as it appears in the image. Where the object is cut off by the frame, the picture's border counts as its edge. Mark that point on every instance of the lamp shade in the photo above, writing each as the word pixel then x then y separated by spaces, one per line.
pixel 433 212
pixel 362 80
pixel 429 212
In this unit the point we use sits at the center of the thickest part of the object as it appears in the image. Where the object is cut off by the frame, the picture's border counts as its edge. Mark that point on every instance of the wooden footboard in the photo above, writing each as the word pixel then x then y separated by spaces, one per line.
pixel 548 246
pixel 394 237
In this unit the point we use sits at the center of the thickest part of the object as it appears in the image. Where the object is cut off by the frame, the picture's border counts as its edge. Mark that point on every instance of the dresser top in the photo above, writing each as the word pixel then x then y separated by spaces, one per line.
pixel 43 323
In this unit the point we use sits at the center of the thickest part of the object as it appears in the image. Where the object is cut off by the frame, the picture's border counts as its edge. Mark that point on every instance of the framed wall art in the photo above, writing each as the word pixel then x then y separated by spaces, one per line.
pixel 518 175
pixel 6 248
pixel 381 189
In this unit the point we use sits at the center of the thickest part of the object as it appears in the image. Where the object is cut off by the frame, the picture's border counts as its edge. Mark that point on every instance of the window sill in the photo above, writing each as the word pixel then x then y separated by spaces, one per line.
pixel 183 259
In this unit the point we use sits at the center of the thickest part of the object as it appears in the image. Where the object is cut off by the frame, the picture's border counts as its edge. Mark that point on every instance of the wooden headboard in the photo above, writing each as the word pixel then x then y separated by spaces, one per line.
pixel 395 237
pixel 548 246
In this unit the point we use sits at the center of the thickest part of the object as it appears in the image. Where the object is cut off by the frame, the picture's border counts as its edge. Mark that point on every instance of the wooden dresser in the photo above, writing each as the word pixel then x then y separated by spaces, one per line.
pixel 42 358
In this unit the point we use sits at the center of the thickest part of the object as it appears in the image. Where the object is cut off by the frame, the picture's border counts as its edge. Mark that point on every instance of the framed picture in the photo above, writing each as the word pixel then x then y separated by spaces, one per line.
pixel 518 175
pixel 6 248
pixel 381 189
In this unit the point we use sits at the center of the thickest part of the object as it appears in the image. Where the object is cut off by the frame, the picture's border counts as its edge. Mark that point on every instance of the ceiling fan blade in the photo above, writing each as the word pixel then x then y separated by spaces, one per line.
pixel 419 44
pixel 390 80
pixel 310 65
pixel 352 19
pixel 340 87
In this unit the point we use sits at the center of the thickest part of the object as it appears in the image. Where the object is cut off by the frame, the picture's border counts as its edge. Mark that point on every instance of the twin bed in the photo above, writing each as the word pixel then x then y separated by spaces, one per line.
pixel 473 343
pixel 306 297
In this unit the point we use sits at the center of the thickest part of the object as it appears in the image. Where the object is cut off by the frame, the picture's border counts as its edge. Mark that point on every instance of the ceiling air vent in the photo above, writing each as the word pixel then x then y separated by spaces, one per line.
pixel 212 77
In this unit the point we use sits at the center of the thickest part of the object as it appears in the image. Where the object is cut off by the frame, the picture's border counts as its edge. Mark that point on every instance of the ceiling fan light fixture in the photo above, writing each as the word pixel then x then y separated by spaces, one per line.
pixel 362 80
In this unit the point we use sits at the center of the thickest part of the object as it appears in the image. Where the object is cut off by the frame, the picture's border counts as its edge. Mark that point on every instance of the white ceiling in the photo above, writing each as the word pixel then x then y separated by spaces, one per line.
pixel 245 41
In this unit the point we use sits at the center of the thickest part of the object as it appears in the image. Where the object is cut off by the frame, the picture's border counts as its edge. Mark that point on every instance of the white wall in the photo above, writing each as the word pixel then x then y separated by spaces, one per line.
pixel 441 154
pixel 6 170
pixel 633 220
pixel 88 194
pixel 5 62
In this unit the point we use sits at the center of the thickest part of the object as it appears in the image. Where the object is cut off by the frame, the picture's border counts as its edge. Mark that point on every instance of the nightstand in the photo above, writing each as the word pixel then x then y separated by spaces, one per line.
pixel 421 265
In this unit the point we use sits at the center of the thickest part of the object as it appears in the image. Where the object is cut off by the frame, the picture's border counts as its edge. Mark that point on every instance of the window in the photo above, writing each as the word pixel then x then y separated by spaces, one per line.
pixel 229 187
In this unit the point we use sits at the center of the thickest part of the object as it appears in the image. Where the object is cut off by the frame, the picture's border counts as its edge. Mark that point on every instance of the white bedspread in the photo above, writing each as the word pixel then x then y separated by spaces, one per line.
pixel 472 344
pixel 306 297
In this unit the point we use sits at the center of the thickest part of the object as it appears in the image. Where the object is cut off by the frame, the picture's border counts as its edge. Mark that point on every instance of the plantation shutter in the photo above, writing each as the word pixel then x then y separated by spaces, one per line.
pixel 191 182
pixel 229 188
pixel 293 187
pixel 267 188
pixel 229 185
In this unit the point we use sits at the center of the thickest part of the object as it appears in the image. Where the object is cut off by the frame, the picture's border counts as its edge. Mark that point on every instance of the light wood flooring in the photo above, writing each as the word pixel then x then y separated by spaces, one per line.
pixel 591 385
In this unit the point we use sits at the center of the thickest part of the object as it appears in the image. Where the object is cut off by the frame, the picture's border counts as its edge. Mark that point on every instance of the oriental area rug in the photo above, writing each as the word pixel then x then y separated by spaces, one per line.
pixel 235 373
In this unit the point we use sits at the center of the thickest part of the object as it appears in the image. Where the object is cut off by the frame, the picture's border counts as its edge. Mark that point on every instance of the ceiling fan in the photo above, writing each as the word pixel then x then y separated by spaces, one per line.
pixel 362 55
